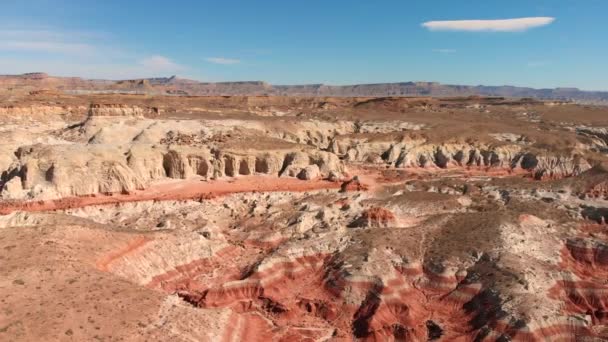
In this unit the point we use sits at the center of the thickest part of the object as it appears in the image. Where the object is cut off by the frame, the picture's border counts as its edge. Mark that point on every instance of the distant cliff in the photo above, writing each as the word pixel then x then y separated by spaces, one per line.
pixel 178 86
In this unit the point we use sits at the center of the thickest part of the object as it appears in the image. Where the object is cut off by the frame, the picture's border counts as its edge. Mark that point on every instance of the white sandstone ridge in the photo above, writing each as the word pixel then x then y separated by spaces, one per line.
pixel 126 130
pixel 386 126
pixel 405 152
pixel 43 111
pixel 34 110
pixel 598 136
pixel 98 109
pixel 121 124
pixel 52 171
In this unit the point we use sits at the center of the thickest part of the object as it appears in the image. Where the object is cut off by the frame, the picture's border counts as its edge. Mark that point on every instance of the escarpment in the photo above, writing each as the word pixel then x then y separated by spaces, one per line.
pixel 401 152
pixel 40 110
pixel 77 170
pixel 68 170
pixel 210 163
pixel 33 111
pixel 119 109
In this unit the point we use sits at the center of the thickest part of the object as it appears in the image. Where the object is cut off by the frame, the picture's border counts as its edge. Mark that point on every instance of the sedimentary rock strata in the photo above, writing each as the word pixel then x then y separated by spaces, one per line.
pixel 299 219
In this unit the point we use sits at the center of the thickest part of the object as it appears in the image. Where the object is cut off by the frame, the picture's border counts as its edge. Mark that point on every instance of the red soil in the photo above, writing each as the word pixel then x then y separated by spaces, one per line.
pixel 178 190
pixel 103 263
pixel 377 217
pixel 367 180
pixel 353 185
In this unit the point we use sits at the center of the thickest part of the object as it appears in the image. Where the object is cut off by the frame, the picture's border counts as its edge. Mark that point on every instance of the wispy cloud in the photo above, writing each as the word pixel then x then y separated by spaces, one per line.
pixel 86 68
pixel 44 41
pixel 222 60
pixel 160 64
pixel 444 51
pixel 502 25
pixel 80 53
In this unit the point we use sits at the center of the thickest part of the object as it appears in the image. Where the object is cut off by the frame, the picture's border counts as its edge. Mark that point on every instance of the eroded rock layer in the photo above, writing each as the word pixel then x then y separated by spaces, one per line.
pixel 302 219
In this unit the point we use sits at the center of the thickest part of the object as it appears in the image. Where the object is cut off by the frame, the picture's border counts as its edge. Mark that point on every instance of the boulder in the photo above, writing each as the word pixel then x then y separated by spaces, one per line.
pixel 310 172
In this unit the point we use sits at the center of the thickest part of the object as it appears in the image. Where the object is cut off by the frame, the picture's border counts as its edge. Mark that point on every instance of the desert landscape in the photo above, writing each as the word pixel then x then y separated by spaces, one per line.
pixel 134 211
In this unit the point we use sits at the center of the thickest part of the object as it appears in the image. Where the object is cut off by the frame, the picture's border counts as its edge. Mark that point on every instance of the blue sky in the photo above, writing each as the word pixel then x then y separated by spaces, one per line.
pixel 311 41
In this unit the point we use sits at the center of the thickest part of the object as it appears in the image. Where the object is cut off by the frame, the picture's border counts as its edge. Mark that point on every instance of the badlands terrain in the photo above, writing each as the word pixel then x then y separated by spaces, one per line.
pixel 130 217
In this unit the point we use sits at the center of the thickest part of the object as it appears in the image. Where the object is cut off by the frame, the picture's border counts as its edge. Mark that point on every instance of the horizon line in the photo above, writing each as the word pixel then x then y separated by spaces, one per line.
pixel 305 84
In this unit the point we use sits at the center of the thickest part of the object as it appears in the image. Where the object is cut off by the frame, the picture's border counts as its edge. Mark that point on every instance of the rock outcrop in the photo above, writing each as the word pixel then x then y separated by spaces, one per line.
pixel 404 153
pixel 69 170
pixel 97 109
pixel 77 170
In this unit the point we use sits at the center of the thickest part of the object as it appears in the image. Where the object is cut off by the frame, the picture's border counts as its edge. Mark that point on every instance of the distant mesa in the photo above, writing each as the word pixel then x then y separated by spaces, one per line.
pixel 180 87
pixel 35 75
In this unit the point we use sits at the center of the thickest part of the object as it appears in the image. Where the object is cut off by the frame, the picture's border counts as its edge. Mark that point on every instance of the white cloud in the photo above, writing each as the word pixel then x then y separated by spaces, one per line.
pixel 444 51
pixel 159 63
pixel 77 53
pixel 502 25
pixel 222 60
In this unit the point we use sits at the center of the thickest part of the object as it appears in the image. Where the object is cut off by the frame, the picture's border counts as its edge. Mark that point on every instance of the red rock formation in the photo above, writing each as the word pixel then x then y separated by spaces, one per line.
pixel 105 262
pixel 410 303
pixel 290 293
pixel 586 294
pixel 184 277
